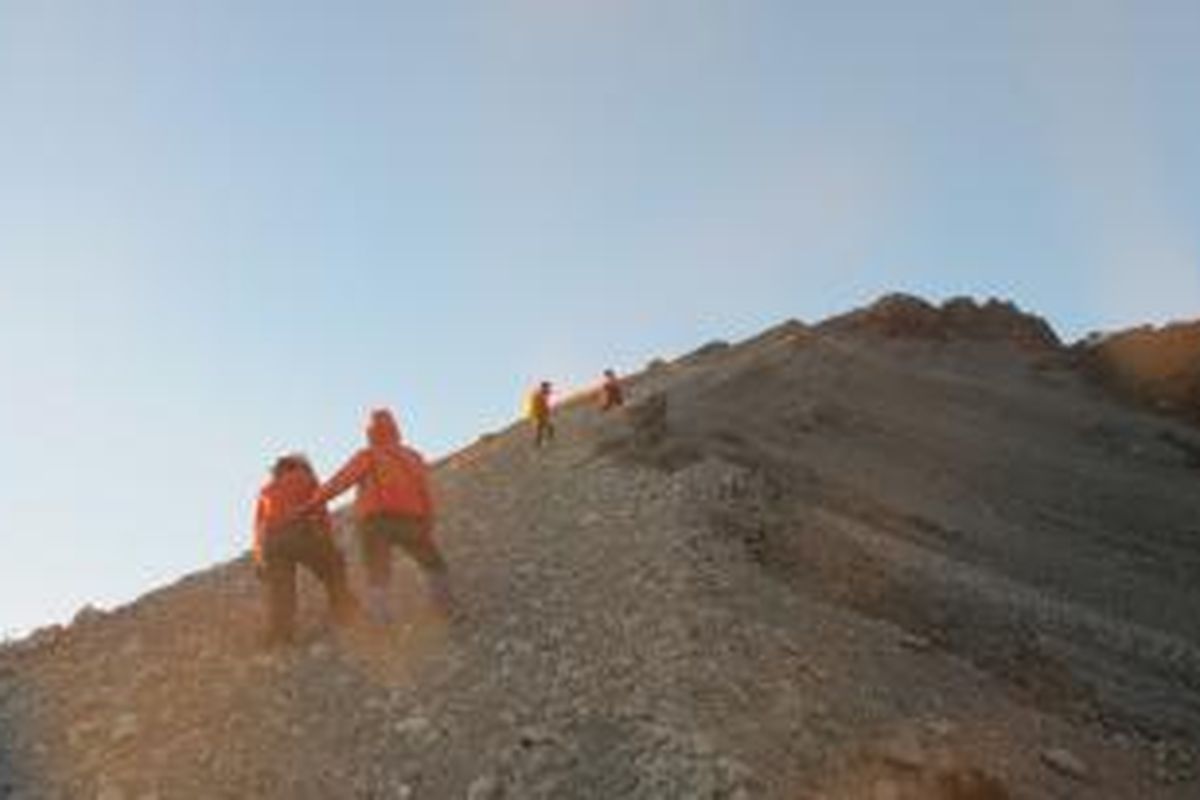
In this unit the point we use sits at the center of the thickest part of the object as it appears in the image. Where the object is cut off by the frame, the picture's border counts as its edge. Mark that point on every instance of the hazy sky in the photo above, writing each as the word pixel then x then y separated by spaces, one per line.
pixel 229 227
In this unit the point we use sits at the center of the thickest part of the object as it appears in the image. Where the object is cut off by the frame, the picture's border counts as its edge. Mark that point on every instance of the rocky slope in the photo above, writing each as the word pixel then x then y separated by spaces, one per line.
pixel 912 552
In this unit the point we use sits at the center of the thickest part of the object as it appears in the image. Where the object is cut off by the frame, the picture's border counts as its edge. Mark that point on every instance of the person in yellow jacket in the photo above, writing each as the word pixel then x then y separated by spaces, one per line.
pixel 539 412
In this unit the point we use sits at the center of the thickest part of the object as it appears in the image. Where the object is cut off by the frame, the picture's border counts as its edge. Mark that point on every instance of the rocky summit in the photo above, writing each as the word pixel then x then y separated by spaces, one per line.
pixel 914 552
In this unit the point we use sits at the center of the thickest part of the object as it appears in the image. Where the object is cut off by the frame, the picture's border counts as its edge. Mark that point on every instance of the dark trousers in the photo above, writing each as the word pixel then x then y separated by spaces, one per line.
pixel 302 543
pixel 543 430
pixel 379 533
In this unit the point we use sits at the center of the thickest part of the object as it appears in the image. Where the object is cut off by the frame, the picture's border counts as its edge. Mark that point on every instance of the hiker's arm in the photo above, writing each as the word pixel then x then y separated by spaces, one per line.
pixel 347 476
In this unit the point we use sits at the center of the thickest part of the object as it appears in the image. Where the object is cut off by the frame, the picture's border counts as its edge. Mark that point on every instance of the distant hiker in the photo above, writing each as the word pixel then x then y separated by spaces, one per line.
pixel 611 394
pixel 539 414
pixel 283 539
pixel 393 507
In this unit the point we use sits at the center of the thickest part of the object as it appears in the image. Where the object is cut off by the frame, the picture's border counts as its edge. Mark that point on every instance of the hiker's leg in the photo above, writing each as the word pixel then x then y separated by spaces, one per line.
pixel 279 585
pixel 377 561
pixel 418 542
pixel 341 597
pixel 322 557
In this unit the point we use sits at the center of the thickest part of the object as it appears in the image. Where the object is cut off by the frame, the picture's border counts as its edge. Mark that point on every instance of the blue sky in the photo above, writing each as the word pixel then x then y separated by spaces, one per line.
pixel 228 228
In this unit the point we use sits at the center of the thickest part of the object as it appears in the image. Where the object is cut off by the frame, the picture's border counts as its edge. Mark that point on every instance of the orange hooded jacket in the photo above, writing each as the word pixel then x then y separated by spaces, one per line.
pixel 391 478
pixel 281 499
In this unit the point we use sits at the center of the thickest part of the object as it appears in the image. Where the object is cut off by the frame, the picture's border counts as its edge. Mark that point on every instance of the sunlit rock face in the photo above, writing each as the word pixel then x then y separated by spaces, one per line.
pixel 1159 367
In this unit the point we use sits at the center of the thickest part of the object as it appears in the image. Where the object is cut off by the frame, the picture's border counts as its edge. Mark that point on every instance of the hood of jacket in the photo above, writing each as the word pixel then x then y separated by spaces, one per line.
pixel 382 430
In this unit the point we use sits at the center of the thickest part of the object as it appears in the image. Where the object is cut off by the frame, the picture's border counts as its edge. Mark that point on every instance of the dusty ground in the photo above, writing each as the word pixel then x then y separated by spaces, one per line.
pixel 822 563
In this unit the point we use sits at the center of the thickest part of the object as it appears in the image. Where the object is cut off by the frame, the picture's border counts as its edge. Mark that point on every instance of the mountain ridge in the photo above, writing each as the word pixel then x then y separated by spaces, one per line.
pixel 911 551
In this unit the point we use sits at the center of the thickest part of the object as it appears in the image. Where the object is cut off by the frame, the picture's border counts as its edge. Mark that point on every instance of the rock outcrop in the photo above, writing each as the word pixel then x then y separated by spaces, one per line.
pixel 906 316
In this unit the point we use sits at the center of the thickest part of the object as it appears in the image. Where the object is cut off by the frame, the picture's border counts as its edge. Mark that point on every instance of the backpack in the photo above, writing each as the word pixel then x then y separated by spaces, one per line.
pixel 399 482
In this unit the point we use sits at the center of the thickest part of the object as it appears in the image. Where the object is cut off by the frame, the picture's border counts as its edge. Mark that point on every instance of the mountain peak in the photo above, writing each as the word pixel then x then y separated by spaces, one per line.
pixel 901 315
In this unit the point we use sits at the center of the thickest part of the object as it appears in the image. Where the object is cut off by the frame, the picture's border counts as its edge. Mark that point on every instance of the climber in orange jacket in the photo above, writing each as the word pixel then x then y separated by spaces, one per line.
pixel 284 539
pixel 393 507
pixel 611 394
